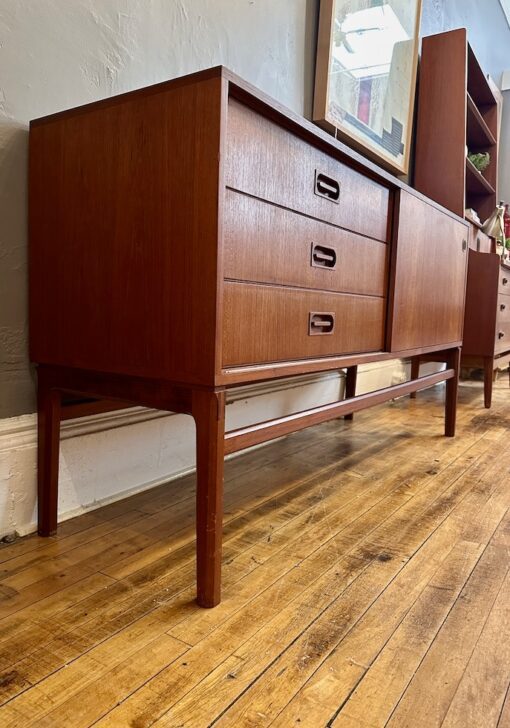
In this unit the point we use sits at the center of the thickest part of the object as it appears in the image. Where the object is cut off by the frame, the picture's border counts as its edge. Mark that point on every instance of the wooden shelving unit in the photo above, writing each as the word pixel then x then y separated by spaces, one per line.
pixel 456 109
pixel 478 132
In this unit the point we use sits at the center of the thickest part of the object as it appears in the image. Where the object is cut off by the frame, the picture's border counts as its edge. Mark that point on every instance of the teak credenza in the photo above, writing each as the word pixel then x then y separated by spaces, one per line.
pixel 195 235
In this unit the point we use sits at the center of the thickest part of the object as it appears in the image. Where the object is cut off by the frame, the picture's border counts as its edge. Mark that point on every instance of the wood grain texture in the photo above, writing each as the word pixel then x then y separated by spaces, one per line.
pixel 112 250
pixel 132 221
pixel 481 304
pixel 266 161
pixel 243 374
pixel 267 244
pixel 270 323
pixel 48 448
pixel 441 119
pixel 208 410
pixel 124 271
pixel 456 108
pixel 452 386
pixel 427 293
pixel 487 317
pixel 351 376
pixel 352 571
pixel 264 431
pixel 479 241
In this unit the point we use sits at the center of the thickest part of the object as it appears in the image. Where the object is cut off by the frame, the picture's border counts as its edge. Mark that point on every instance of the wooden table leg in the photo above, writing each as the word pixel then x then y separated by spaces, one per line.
pixel 452 386
pixel 48 446
pixel 415 373
pixel 488 379
pixel 208 409
pixel 350 386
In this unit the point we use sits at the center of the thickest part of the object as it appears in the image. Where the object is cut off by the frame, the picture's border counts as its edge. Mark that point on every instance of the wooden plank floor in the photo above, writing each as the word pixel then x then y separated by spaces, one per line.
pixel 366 583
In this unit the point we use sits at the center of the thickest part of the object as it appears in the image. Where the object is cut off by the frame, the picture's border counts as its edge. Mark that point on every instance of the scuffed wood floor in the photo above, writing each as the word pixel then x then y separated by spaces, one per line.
pixel 366 583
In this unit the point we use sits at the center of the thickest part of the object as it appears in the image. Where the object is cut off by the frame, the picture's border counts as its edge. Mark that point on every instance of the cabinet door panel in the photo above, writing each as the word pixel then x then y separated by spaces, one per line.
pixel 428 285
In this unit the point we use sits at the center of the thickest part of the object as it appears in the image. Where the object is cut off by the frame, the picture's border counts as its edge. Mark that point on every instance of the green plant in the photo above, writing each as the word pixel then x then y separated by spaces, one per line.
pixel 481 160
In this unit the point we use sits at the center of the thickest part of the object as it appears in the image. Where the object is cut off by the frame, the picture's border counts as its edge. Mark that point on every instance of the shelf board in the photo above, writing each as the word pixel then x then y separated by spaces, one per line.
pixel 478 85
pixel 476 184
pixel 479 136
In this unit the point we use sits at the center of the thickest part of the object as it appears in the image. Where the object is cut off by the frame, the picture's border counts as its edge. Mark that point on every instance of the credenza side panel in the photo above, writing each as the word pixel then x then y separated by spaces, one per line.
pixel 124 234
pixel 428 277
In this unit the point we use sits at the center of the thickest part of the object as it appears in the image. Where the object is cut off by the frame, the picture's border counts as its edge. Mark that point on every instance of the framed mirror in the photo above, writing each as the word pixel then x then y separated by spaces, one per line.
pixel 367 58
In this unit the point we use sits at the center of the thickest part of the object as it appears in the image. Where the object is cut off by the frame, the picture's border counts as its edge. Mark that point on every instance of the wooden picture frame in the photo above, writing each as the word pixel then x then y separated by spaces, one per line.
pixel 365 80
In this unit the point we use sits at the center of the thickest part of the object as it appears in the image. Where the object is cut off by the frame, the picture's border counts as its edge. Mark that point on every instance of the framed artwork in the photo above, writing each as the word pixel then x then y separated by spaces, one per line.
pixel 367 56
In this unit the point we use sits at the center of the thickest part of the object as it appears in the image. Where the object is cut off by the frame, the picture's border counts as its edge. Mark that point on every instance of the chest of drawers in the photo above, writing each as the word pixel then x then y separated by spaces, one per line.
pixel 487 325
pixel 194 236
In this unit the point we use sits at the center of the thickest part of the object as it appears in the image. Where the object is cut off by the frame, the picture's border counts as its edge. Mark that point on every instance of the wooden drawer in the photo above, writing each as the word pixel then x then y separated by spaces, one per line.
pixel 503 315
pixel 267 161
pixel 268 244
pixel 504 281
pixel 502 336
pixel 270 323
pixel 479 241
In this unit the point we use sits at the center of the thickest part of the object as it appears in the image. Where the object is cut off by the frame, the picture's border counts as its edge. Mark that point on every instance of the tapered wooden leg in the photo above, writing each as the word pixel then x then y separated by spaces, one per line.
pixel 350 386
pixel 48 446
pixel 488 379
pixel 452 386
pixel 208 408
pixel 415 373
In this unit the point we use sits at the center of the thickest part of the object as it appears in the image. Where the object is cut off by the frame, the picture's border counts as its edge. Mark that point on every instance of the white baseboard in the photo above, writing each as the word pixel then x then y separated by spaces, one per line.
pixel 109 456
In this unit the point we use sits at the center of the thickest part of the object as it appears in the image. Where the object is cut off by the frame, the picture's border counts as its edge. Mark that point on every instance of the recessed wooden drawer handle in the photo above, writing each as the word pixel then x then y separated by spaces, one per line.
pixel 501 335
pixel 321 323
pixel 502 306
pixel 327 187
pixel 323 257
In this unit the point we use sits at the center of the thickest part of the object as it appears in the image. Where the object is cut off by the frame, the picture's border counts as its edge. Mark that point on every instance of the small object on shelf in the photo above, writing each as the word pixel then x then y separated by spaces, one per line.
pixel 480 160
pixel 472 216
